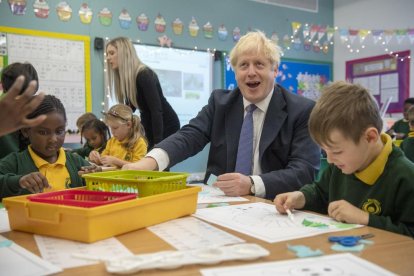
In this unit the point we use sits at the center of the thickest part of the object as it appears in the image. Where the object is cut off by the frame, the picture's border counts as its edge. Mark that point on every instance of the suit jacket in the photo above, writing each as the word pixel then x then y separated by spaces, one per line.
pixel 289 157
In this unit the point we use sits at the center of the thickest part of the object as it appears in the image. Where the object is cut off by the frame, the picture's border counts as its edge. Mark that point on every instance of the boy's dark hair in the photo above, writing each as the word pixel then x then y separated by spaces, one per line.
pixel 49 104
pixel 410 116
pixel 409 101
pixel 12 71
pixel 97 125
pixel 346 107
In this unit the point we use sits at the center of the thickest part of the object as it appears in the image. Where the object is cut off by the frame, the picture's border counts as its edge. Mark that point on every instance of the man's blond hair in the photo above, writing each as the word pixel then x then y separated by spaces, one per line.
pixel 346 107
pixel 256 42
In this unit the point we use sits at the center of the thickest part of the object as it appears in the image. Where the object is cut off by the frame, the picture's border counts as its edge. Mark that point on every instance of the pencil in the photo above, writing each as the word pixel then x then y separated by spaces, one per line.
pixel 290 215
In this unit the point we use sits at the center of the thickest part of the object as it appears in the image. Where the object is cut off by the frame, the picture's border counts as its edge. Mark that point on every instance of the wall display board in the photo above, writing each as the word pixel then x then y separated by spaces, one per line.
pixel 62 62
pixel 298 76
pixel 186 77
pixel 387 77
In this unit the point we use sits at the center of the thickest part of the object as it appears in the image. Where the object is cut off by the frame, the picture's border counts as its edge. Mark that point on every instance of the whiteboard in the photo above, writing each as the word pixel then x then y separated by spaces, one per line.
pixel 59 64
pixel 186 77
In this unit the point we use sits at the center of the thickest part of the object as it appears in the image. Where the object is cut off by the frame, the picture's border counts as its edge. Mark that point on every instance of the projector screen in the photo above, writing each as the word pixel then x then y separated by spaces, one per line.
pixel 185 77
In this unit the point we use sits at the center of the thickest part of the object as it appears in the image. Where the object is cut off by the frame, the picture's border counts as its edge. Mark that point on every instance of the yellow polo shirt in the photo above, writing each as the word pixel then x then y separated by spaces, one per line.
pixel 115 148
pixel 57 174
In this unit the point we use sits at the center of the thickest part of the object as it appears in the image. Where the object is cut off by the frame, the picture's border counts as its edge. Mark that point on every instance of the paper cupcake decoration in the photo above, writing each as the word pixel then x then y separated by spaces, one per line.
pixel 125 19
pixel 105 17
pixel 142 22
pixel 236 34
pixel 160 23
pixel 325 47
pixel 222 33
pixel 307 44
pixel 275 38
pixel 177 26
pixel 208 30
pixel 85 14
pixel 193 27
pixel 164 41
pixel 64 11
pixel 17 7
pixel 316 47
pixel 41 9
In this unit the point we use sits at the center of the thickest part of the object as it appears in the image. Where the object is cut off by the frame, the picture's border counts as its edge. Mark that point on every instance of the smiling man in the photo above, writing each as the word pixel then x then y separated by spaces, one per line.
pixel 282 157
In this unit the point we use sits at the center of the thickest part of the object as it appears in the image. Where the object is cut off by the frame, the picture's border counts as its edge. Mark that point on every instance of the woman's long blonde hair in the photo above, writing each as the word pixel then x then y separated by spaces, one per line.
pixel 123 114
pixel 123 79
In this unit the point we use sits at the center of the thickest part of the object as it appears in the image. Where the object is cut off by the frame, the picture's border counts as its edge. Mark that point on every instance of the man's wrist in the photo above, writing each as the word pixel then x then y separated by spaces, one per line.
pixel 252 187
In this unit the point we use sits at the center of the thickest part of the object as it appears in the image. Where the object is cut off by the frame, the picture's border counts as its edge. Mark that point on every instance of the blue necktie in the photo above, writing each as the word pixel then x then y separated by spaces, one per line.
pixel 244 159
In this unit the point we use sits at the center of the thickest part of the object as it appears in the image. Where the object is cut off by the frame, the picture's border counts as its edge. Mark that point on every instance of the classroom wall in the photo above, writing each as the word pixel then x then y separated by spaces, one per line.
pixel 372 14
pixel 244 14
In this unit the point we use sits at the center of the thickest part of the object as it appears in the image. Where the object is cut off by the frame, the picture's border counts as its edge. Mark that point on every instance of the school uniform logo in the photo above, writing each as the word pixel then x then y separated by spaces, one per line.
pixel 372 206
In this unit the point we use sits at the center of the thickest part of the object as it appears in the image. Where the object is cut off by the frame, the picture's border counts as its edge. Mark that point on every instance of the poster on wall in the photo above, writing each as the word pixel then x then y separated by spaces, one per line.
pixel 300 77
pixel 385 76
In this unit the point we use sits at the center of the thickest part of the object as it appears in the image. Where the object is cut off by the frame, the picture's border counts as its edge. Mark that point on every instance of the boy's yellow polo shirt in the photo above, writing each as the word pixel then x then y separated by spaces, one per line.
pixel 376 168
pixel 56 174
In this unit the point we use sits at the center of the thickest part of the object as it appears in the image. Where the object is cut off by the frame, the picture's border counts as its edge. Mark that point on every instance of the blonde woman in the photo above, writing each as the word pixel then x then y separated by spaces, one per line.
pixel 128 141
pixel 138 86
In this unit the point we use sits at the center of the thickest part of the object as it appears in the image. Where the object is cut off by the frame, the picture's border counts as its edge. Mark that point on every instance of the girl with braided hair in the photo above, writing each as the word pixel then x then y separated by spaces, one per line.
pixel 96 134
pixel 44 165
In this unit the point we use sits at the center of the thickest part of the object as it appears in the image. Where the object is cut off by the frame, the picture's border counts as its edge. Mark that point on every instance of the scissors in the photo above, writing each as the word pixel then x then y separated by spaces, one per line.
pixel 349 240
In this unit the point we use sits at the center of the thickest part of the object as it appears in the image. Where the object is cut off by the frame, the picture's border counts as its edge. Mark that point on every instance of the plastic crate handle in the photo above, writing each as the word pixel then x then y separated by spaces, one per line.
pixel 54 220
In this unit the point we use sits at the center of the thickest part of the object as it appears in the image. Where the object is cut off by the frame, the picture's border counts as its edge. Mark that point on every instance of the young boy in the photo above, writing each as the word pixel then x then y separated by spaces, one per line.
pixel 10 142
pixel 369 181
pixel 401 128
pixel 408 143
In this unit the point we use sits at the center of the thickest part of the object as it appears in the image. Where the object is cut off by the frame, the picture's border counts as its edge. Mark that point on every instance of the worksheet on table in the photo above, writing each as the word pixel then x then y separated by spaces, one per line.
pixel 61 252
pixel 262 221
pixel 191 233
pixel 338 264
pixel 211 194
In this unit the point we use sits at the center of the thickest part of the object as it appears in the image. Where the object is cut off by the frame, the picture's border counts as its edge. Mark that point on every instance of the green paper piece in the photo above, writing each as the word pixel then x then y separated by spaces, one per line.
pixel 309 223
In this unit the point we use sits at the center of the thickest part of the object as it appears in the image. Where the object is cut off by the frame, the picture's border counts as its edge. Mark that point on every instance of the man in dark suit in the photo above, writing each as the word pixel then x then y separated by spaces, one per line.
pixel 284 156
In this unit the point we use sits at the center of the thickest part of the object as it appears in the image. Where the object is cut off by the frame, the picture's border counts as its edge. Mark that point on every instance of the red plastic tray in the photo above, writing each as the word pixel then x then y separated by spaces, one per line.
pixel 81 198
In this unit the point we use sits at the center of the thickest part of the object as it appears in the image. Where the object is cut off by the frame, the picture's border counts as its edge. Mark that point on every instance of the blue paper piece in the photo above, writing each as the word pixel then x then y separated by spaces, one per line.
pixel 211 180
pixel 366 241
pixel 303 251
pixel 5 243
pixel 355 248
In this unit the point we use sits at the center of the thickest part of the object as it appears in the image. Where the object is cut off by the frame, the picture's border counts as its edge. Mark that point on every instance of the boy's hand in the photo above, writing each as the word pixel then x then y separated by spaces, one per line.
pixel 89 169
pixel 342 210
pixel 95 157
pixel 292 200
pixel 234 184
pixel 34 182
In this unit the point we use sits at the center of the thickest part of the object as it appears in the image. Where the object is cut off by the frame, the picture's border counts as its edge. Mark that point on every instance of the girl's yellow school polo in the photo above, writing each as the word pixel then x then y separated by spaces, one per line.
pixel 56 174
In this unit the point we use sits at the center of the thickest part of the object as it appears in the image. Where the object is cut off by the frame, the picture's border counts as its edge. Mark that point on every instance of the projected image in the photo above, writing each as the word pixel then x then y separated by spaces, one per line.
pixel 193 85
pixel 170 82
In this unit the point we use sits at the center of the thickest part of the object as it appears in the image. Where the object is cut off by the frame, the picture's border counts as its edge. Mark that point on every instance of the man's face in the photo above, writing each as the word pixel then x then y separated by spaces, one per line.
pixel 255 76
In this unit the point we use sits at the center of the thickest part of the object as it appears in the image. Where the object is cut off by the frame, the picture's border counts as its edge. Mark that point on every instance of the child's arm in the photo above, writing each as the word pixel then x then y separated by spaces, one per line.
pixel 111 161
pixel 289 201
pixel 95 157
pixel 342 210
